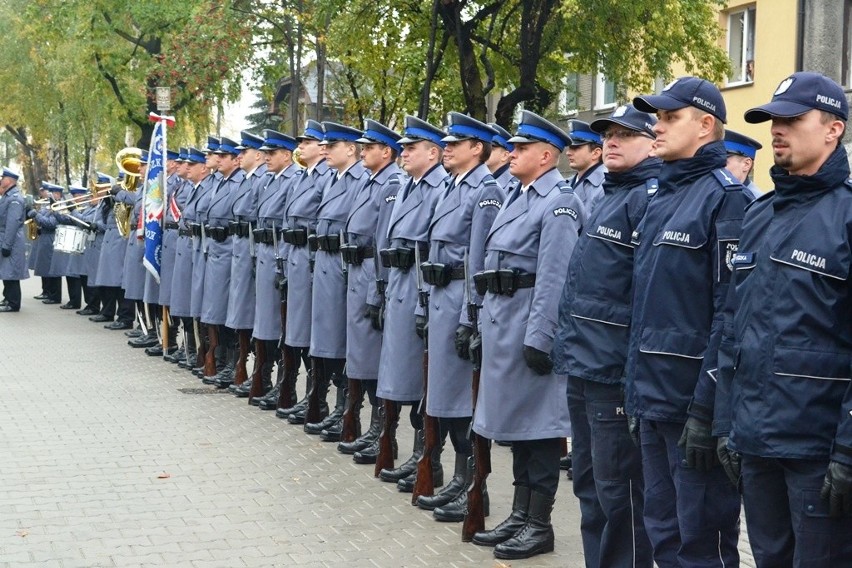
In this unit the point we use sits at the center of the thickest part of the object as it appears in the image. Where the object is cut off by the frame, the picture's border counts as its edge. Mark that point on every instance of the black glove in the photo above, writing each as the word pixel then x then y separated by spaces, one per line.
pixel 837 488
pixel 633 430
pixel 374 313
pixel 463 333
pixel 538 360
pixel 114 190
pixel 421 327
pixel 475 350
pixel 7 253
pixel 730 461
pixel 698 444
pixel 280 282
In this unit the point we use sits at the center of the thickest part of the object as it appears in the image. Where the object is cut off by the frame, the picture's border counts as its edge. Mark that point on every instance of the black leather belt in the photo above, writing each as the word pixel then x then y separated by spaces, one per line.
pixel 195 229
pixel 171 226
pixel 504 281
pixel 441 275
pixel 401 257
pixel 218 234
pixel 356 255
pixel 184 232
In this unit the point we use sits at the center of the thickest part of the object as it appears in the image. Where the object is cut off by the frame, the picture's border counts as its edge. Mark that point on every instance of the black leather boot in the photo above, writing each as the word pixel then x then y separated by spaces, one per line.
pixel 266 377
pixel 175 356
pixel 367 438
pixel 514 523
pixel 270 399
pixel 451 491
pixel 243 390
pixel 302 405
pixel 333 418
pixel 536 536
pixel 409 466
pixel 225 378
pixel 454 511
pixel 406 484
pixel 149 340
pixel 221 357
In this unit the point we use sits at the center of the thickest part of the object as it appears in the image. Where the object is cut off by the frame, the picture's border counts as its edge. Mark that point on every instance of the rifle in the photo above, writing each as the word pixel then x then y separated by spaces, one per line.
pixel 385 458
pixel 165 330
pixel 210 359
pixel 240 372
pixel 424 482
pixel 480 462
pixel 200 343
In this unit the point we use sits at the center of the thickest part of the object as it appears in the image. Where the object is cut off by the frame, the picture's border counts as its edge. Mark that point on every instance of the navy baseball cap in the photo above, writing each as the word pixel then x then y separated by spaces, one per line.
pixel 463 127
pixel 377 133
pixel 684 92
pixel 581 134
pixel 799 93
pixel 416 130
pixel 630 118
pixel 736 143
pixel 502 137
pixel 533 128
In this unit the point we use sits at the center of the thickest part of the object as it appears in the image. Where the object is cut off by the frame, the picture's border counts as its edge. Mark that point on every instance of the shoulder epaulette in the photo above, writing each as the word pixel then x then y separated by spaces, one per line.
pixel 766 196
pixel 727 180
pixel 565 187
pixel 489 181
pixel 848 183
pixel 651 186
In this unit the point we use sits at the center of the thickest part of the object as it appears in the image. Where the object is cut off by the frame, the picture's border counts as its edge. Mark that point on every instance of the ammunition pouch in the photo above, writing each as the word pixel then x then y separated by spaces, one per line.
pixel 296 237
pixel 440 275
pixel 329 243
pixel 239 229
pixel 195 229
pixel 355 255
pixel 398 257
pixel 505 281
pixel 218 234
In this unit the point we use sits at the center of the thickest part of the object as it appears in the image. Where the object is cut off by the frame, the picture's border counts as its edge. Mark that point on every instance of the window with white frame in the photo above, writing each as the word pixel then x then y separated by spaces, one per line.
pixel 604 92
pixel 741 45
pixel 569 96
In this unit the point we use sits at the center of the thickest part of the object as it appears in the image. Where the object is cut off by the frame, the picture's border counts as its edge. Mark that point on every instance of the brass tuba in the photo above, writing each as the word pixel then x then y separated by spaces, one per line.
pixel 297 159
pixel 129 162
pixel 32 229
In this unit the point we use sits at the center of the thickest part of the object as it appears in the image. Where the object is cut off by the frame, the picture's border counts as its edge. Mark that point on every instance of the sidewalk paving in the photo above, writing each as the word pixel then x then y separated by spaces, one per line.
pixel 111 458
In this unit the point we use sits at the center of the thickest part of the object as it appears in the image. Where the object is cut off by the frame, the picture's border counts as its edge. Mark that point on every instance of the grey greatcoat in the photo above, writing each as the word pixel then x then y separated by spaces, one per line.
pixel 461 221
pixel 111 261
pixel 270 212
pixel 535 232
pixel 300 213
pixel 60 261
pixel 328 317
pixel 504 177
pixel 401 361
pixel 363 343
pixel 133 279
pixel 43 246
pixel 12 216
pixel 74 263
pixel 589 189
pixel 180 295
pixel 176 191
pixel 217 272
pixel 200 244
pixel 92 252
pixel 241 296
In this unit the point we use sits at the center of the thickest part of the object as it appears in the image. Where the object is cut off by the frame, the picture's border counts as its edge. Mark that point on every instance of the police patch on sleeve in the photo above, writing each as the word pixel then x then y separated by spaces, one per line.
pixel 490 203
pixel 390 198
pixel 727 251
pixel 565 211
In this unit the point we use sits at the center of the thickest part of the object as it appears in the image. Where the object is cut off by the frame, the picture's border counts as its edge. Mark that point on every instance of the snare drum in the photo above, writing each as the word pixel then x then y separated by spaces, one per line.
pixel 70 239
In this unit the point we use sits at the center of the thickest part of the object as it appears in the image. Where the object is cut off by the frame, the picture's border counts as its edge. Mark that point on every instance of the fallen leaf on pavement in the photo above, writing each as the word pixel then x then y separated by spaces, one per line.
pixel 164 475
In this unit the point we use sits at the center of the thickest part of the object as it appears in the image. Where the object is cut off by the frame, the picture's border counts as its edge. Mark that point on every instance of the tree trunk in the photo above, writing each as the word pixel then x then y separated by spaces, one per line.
pixel 471 81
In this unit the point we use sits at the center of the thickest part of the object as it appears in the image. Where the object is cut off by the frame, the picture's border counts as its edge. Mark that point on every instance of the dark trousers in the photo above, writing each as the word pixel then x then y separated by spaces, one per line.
pixel 788 523
pixel 53 287
pixel 535 464
pixel 75 290
pixel 91 294
pixel 692 517
pixel 607 477
pixel 12 293
pixel 458 430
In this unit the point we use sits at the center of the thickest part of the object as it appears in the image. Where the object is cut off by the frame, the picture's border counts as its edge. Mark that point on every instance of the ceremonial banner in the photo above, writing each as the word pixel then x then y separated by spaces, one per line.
pixel 154 200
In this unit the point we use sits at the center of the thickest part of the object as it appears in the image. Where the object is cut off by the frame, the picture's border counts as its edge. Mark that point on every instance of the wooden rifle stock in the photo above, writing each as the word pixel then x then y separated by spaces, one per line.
pixel 164 330
pixel 286 364
pixel 200 344
pixel 350 416
pixel 240 373
pixel 424 482
pixel 210 359
pixel 385 458
pixel 313 414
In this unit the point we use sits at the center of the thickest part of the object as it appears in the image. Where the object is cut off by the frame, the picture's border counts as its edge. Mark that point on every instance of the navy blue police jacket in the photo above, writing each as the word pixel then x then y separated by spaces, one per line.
pixel 594 312
pixel 682 271
pixel 790 387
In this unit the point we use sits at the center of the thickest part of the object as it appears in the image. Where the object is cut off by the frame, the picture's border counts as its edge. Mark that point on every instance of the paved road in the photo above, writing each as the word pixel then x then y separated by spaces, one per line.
pixel 109 460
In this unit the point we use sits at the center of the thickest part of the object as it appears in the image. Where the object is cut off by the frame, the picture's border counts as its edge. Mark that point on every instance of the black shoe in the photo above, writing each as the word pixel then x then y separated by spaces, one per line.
pixel 298 407
pixel 50 301
pixel 41 296
pixel 565 462
pixel 268 401
pixel 117 325
pixel 455 510
pixel 368 455
pixel 451 491
pixel 297 417
pixel 514 523
pixel 406 484
pixel 316 428
pixel 155 351
pixel 69 306
pixel 8 308
pixel 100 318
pixel 536 536
pixel 409 466
pixel 333 432
pixel 4 303
pixel 149 340
pixel 86 312
pixel 133 333
pixel 174 355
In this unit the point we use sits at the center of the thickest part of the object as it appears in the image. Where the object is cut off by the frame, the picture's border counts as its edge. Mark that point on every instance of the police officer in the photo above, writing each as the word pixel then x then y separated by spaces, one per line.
pixel 691 229
pixel 401 359
pixel 520 398
pixel 13 267
pixel 790 414
pixel 372 206
pixel 178 191
pixel 217 269
pixel 270 282
pixel 741 154
pixel 457 231
pixel 241 296
pixel 300 215
pixel 188 242
pixel 91 255
pixel 111 269
pixel 44 266
pixel 74 267
pixel 328 314
pixel 591 347
pixel 585 158
pixel 498 161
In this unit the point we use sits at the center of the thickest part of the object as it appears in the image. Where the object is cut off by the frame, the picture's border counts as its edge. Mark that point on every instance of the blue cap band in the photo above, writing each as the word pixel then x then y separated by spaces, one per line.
pixel 471 131
pixel 383 138
pixel 741 149
pixel 288 144
pixel 541 134
pixel 313 133
pixel 585 136
pixel 338 136
pixel 425 134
